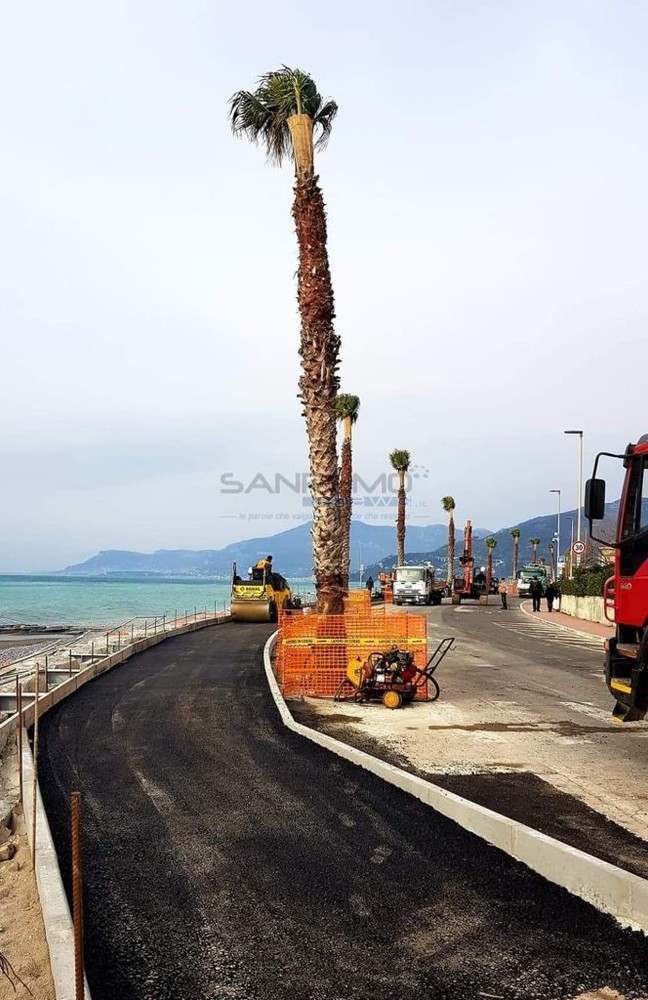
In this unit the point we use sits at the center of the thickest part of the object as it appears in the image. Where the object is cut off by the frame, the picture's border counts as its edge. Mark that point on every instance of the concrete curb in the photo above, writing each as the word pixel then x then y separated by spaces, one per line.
pixel 608 888
pixel 54 905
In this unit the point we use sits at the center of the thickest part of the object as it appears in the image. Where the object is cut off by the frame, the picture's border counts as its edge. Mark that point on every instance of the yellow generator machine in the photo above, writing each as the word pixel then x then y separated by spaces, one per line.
pixel 260 597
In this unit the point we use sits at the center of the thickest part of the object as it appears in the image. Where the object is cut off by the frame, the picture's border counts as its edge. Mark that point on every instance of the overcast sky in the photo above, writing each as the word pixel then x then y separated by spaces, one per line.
pixel 487 203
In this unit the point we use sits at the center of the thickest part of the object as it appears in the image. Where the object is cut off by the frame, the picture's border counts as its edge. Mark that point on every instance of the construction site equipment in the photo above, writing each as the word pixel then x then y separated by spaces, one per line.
pixel 261 597
pixel 416 585
pixel 472 584
pixel 313 650
pixel 391 676
pixel 625 593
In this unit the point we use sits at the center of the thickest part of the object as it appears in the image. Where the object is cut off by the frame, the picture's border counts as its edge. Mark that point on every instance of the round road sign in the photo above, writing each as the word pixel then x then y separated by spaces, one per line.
pixel 579 548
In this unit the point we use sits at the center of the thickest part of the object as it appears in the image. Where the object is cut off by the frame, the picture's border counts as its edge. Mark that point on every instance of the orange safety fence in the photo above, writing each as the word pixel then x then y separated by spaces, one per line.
pixel 357 602
pixel 313 651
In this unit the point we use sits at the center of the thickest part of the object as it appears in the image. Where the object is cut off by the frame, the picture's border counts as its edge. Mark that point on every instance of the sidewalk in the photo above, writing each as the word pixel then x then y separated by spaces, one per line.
pixel 606 631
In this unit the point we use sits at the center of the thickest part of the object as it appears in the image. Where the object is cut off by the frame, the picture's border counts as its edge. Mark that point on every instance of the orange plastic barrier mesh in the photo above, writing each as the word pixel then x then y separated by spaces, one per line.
pixel 357 602
pixel 313 650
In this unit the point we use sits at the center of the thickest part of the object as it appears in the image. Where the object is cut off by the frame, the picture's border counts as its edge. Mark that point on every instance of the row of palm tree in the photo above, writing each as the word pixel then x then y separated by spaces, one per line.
pixel 290 118
pixel 449 506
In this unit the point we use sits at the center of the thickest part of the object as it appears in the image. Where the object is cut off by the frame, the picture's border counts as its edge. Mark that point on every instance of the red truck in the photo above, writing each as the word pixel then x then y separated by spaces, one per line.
pixel 626 592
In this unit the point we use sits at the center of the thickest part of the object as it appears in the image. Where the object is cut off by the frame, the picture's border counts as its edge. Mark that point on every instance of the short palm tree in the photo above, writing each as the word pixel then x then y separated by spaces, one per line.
pixel 347 408
pixel 400 460
pixel 448 505
pixel 534 542
pixel 288 116
pixel 515 535
pixel 491 545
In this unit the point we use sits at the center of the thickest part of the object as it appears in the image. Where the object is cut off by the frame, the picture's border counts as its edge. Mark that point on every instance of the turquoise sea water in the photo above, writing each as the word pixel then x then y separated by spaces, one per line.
pixel 52 600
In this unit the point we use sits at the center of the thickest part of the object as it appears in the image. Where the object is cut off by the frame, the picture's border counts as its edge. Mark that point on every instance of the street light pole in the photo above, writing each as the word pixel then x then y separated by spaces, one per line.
pixel 557 529
pixel 580 489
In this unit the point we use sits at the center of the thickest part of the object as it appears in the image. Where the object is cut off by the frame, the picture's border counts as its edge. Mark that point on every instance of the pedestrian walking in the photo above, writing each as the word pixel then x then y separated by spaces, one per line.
pixel 535 589
pixel 551 595
pixel 370 585
pixel 503 593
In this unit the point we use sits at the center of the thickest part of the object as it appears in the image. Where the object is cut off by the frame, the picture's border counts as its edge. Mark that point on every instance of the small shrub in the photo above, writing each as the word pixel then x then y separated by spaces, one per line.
pixel 588 581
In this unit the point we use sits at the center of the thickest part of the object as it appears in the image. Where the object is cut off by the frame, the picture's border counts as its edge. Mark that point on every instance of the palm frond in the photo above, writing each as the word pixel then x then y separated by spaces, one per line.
pixel 347 407
pixel 262 115
pixel 400 460
pixel 448 504
pixel 491 542
pixel 514 532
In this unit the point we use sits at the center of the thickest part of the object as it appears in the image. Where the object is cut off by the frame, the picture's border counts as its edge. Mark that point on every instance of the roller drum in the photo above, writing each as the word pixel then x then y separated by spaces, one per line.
pixel 252 611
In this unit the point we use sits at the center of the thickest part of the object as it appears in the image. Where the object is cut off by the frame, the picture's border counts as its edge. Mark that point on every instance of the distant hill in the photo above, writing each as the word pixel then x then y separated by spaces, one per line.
pixel 537 527
pixel 291 552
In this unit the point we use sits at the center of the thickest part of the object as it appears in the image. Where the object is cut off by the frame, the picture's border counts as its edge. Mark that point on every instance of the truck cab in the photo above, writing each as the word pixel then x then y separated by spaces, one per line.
pixel 526 575
pixel 415 585
pixel 625 594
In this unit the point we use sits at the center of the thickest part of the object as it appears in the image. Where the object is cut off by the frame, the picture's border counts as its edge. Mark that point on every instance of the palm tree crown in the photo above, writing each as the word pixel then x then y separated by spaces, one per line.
pixel 263 115
pixel 515 533
pixel 448 504
pixel 347 407
pixel 400 460
pixel 491 542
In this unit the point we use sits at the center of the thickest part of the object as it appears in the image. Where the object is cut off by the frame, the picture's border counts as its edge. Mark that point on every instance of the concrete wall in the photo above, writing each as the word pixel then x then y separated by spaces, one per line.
pixel 588 608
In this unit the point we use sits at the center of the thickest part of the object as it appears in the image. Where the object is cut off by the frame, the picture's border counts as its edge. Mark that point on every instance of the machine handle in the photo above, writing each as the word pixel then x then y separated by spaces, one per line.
pixel 608 599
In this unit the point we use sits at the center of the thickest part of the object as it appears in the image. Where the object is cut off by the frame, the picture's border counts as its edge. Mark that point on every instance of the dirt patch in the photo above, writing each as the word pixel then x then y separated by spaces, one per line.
pixel 22 934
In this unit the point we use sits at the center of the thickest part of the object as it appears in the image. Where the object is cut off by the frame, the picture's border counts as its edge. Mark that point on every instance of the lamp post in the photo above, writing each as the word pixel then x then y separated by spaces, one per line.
pixel 580 489
pixel 557 530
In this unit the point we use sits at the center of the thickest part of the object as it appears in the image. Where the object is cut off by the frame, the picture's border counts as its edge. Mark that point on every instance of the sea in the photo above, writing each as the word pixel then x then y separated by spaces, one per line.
pixel 55 600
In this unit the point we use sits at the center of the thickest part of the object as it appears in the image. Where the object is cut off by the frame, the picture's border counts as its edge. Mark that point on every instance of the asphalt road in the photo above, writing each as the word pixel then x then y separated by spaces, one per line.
pixel 225 857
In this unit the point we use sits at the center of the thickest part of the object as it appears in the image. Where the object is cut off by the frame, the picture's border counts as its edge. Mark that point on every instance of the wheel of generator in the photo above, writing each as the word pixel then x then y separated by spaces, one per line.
pixel 434 690
pixel 392 699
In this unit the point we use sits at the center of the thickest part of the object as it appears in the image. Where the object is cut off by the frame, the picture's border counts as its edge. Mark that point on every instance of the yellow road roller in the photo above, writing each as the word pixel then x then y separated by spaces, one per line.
pixel 261 596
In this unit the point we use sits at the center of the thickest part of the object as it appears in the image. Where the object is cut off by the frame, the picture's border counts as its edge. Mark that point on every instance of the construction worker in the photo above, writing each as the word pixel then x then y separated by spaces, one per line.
pixel 503 593
pixel 265 564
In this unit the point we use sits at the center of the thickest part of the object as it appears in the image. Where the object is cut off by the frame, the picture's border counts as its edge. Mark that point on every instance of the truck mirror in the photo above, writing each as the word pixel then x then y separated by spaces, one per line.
pixel 595 499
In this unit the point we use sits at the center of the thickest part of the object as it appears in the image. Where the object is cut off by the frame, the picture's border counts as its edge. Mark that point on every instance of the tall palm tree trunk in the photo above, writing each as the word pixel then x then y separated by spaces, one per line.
pixel 318 389
pixel 451 549
pixel 516 558
pixel 400 521
pixel 346 475
pixel 489 572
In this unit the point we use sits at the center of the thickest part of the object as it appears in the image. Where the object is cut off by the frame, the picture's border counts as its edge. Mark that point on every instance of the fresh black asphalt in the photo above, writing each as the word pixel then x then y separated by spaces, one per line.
pixel 225 857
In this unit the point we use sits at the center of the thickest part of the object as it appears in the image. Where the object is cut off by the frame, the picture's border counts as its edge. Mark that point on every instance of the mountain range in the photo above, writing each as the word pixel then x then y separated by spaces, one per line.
pixel 291 553
pixel 372 545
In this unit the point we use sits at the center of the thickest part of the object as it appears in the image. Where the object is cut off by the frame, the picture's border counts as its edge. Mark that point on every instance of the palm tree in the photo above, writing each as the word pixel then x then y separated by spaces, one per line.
pixel 400 460
pixel 534 542
pixel 290 118
pixel 347 408
pixel 448 505
pixel 515 535
pixel 491 545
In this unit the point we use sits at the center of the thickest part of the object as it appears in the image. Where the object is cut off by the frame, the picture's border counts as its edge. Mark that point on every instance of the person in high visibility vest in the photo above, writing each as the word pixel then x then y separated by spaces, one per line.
pixel 265 564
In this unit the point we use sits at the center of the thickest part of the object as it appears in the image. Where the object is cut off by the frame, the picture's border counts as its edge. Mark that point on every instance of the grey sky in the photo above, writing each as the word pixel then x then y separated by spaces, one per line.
pixel 485 184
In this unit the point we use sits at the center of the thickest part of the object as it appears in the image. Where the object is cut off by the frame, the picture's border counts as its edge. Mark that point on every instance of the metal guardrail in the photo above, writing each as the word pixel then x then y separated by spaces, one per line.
pixel 61 659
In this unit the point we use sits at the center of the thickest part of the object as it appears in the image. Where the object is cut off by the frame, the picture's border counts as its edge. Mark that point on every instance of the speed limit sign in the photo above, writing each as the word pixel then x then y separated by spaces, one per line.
pixel 578 548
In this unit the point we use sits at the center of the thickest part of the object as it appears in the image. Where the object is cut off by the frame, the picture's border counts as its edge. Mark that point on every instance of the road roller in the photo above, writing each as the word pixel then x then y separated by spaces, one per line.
pixel 261 596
